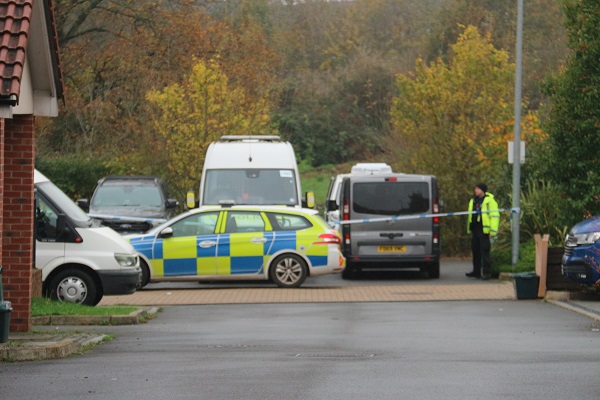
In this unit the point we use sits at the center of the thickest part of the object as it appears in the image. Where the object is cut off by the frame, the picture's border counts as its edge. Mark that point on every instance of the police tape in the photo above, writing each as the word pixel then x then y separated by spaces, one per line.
pixel 108 217
pixel 419 216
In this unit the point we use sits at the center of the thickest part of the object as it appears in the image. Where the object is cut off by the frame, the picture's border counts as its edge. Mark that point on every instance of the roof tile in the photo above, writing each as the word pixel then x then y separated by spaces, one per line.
pixel 15 18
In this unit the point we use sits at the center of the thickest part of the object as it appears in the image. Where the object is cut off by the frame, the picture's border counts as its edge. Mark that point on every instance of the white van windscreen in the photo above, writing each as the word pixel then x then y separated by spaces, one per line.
pixel 251 186
pixel 390 198
pixel 63 202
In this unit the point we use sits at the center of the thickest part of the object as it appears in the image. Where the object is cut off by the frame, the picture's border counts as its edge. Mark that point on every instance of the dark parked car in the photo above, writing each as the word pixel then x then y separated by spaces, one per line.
pixel 581 261
pixel 130 204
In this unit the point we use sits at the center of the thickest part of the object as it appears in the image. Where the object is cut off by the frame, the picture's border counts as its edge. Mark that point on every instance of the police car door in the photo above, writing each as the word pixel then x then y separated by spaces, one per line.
pixel 242 246
pixel 191 250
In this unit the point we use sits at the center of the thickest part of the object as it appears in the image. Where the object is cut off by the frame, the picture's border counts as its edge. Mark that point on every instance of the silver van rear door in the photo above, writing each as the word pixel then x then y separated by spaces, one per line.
pixel 389 197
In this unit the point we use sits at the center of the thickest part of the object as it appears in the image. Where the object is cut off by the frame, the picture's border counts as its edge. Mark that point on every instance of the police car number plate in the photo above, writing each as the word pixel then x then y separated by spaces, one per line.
pixel 391 249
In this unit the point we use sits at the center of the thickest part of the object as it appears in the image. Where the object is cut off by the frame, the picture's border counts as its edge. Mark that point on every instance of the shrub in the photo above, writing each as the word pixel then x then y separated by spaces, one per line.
pixel 542 211
pixel 502 258
pixel 75 175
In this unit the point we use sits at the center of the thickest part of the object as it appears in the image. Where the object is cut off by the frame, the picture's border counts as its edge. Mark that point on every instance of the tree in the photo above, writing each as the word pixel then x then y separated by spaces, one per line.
pixel 574 119
pixel 453 121
pixel 143 46
pixel 544 44
pixel 340 60
pixel 196 112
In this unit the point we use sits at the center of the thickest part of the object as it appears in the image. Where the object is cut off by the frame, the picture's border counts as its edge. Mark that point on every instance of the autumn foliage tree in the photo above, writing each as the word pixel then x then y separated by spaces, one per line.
pixel 454 119
pixel 191 114
pixel 114 52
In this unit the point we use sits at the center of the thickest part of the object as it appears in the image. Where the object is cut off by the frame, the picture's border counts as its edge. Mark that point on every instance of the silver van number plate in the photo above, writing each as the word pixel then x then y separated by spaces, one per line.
pixel 391 249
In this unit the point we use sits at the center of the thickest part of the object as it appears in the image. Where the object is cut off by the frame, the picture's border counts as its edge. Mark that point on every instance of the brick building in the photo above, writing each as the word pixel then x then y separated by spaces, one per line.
pixel 31 86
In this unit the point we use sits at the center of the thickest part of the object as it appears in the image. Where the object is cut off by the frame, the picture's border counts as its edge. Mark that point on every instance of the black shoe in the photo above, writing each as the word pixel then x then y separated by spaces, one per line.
pixel 472 274
pixel 486 277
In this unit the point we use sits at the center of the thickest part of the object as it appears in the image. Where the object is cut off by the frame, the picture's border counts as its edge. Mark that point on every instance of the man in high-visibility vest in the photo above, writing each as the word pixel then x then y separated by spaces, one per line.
pixel 482 226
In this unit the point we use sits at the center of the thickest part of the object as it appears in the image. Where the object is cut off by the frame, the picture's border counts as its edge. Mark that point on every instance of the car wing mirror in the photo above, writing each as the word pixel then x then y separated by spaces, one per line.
pixel 190 200
pixel 84 204
pixel 332 205
pixel 310 200
pixel 172 203
pixel 61 225
pixel 166 233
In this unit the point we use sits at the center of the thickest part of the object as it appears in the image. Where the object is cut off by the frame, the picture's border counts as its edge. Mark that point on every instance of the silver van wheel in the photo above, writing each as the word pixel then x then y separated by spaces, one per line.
pixel 351 270
pixel 73 286
pixel 288 270
pixel 434 270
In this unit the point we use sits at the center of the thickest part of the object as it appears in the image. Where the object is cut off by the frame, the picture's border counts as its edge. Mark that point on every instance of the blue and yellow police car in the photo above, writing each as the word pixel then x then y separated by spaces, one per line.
pixel 281 244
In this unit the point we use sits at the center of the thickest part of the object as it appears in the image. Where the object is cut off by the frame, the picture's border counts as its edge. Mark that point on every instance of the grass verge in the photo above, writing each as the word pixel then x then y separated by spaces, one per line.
pixel 43 306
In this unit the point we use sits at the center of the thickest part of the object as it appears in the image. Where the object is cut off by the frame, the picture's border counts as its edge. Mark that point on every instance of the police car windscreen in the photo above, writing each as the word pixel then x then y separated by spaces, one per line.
pixel 251 186
pixel 390 198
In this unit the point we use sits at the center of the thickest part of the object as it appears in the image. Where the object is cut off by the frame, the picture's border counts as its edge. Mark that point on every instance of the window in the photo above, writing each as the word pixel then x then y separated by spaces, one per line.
pixel 288 222
pixel 63 203
pixel 244 222
pixel 391 198
pixel 46 221
pixel 127 196
pixel 196 225
pixel 253 186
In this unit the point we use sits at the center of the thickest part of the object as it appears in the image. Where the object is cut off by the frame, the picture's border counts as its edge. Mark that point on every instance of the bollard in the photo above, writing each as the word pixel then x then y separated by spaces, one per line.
pixel 5 310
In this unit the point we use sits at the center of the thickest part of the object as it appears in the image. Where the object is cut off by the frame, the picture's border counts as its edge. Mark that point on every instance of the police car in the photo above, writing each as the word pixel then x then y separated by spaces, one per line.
pixel 281 244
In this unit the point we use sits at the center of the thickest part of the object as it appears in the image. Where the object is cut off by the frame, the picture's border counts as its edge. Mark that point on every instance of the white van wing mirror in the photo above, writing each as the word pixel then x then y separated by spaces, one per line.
pixel 310 200
pixel 61 225
pixel 190 200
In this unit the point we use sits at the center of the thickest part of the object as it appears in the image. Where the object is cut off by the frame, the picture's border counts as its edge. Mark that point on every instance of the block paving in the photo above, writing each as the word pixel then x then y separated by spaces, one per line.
pixel 492 290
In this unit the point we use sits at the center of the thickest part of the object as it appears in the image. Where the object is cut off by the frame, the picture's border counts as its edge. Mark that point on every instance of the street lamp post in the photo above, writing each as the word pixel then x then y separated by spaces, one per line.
pixel 517 139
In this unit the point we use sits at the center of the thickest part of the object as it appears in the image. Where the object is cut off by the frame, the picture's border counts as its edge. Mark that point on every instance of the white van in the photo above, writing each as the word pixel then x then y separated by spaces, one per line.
pixel 251 170
pixel 332 204
pixel 80 260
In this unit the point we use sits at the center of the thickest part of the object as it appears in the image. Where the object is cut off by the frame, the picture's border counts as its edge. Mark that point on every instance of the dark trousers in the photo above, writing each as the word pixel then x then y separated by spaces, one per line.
pixel 480 246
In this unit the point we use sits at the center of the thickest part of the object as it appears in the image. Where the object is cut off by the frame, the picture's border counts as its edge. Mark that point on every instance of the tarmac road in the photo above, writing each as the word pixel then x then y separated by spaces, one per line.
pixel 393 350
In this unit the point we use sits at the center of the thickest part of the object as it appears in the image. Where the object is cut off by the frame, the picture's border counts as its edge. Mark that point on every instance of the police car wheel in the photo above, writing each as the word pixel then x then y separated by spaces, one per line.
pixel 74 286
pixel 288 271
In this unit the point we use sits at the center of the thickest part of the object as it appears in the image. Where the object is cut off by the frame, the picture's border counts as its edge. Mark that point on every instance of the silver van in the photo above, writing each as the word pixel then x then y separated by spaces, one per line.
pixel 372 236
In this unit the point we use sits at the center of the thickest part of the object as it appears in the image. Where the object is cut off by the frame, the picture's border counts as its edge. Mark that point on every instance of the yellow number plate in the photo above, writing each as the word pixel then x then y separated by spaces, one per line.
pixel 391 249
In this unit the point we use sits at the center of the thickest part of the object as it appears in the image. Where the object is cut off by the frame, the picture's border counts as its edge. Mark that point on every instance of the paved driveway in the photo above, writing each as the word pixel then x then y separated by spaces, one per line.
pixel 375 286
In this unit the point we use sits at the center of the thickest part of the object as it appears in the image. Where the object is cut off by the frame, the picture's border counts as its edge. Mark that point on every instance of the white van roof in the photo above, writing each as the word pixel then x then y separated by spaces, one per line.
pixel 243 152
pixel 371 168
pixel 39 177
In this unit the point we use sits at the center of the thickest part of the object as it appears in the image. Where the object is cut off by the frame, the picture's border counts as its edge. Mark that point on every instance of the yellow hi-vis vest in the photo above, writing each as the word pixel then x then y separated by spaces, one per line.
pixel 490 216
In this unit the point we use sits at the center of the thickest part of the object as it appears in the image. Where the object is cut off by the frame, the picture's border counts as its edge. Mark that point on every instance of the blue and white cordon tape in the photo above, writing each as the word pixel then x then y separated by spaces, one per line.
pixel 417 216
pixel 133 219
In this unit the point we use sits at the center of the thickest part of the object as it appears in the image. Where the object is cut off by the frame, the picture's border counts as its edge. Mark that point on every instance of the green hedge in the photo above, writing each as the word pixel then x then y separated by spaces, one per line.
pixel 76 176
pixel 502 258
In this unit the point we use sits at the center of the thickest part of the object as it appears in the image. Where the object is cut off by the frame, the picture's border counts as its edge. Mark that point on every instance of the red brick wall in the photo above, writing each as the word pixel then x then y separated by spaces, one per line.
pixel 17 218
pixel 2 128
